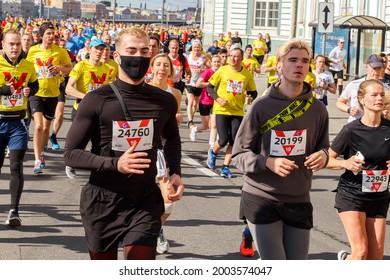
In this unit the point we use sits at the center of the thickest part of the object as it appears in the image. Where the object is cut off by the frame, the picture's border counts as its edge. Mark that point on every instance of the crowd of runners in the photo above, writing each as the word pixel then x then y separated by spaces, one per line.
pixel 128 83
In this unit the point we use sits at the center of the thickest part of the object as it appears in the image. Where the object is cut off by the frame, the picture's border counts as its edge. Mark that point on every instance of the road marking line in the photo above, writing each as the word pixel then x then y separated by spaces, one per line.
pixel 200 167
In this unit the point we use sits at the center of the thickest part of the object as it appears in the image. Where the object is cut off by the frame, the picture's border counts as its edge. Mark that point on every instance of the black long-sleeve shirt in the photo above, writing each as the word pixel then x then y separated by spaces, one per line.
pixel 94 121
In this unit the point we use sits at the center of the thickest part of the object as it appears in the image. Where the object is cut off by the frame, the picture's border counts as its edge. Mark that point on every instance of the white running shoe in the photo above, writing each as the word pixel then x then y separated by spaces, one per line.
pixel 342 255
pixel 162 243
pixel 194 130
pixel 70 172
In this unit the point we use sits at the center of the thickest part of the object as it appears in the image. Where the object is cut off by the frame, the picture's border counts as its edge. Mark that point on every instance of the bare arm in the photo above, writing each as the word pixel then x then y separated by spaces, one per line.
pixel 352 163
pixel 341 104
pixel 200 83
pixel 187 74
pixel 65 70
pixel 269 69
pixel 177 94
pixel 71 89
pixel 332 88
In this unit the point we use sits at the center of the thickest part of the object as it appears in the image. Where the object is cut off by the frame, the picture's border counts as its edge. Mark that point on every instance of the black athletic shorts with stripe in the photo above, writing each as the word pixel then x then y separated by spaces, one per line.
pixel 110 218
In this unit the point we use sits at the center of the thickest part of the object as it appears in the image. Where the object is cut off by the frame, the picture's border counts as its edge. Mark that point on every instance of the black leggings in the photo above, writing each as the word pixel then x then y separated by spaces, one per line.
pixel 259 58
pixel 227 127
pixel 16 182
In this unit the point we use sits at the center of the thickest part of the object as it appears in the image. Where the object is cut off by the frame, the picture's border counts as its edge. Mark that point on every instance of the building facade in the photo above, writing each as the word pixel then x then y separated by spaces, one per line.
pixel 22 8
pixel 286 19
pixel 71 9
pixel 93 10
pixel 54 9
pixel 282 19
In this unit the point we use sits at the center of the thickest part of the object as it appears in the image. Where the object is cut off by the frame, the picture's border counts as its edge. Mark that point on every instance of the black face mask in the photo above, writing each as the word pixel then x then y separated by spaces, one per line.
pixel 135 67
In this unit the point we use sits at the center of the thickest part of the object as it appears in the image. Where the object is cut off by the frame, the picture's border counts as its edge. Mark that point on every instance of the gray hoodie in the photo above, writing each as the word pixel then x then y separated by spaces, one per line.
pixel 251 149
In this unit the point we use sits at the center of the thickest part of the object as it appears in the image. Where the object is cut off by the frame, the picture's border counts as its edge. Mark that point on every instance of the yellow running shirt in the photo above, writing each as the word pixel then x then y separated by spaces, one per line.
pixel 89 77
pixel 251 64
pixel 257 47
pixel 18 76
pixel 221 43
pixel 311 79
pixel 113 69
pixel 273 75
pixel 232 86
pixel 48 84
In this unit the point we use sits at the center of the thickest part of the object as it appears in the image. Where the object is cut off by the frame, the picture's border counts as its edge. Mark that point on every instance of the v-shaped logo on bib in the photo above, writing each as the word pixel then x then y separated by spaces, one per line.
pixel 132 133
pixel 235 87
pixel 376 186
pixel 288 149
pixel 13 102
pixel 133 141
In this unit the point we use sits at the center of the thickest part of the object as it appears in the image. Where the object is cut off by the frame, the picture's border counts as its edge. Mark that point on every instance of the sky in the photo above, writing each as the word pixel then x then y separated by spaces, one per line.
pixel 156 4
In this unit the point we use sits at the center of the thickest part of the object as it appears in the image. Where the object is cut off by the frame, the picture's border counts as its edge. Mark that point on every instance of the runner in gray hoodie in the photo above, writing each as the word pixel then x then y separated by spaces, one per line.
pixel 279 157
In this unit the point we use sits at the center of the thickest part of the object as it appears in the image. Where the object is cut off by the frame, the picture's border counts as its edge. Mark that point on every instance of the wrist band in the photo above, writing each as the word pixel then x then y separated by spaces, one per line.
pixel 327 157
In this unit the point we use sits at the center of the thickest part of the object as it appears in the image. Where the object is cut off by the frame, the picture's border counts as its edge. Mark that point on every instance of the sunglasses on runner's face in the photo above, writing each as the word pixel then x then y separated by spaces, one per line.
pixel 35 32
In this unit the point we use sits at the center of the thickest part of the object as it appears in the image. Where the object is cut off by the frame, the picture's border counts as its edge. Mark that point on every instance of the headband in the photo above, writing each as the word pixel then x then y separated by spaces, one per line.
pixel 44 27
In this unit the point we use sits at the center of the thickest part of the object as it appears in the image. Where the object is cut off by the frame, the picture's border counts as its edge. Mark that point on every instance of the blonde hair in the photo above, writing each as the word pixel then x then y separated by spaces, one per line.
pixel 132 31
pixel 362 91
pixel 286 47
pixel 27 34
pixel 207 57
pixel 11 32
pixel 170 63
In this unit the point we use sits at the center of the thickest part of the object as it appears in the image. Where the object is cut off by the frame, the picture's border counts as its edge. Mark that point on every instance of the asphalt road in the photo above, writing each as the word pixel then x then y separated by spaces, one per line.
pixel 204 224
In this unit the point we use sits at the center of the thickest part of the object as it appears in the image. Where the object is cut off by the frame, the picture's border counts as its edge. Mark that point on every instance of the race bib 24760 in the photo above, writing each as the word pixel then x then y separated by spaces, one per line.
pixel 128 133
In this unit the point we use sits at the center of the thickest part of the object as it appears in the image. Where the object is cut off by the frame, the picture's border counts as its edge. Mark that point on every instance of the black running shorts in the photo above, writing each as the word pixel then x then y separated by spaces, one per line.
pixel 373 209
pixel 110 218
pixel 61 97
pixel 339 74
pixel 260 210
pixel 45 105
pixel 194 90
pixel 205 110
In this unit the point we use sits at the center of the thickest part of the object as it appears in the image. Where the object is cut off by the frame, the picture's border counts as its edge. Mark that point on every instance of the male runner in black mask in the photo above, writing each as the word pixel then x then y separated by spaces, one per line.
pixel 121 202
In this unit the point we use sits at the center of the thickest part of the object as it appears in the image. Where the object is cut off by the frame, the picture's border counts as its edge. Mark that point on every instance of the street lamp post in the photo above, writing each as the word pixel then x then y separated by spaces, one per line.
pixel 202 15
pixel 162 12
pixel 113 12
pixel 40 9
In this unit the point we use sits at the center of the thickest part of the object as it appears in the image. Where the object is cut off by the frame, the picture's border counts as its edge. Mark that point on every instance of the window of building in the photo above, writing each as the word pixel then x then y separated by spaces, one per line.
pixel 266 13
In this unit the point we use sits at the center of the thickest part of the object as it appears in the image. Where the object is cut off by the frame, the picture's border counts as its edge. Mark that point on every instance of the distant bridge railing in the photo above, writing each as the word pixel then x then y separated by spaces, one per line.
pixel 146 21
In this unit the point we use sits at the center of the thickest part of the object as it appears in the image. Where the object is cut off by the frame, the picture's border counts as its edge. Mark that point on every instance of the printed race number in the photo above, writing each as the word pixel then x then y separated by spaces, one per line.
pixel 288 143
pixel 374 180
pixel 128 133
pixel 12 100
pixel 140 132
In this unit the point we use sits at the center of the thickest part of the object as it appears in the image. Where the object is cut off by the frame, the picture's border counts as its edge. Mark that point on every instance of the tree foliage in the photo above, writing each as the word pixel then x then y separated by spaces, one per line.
pixel 106 3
